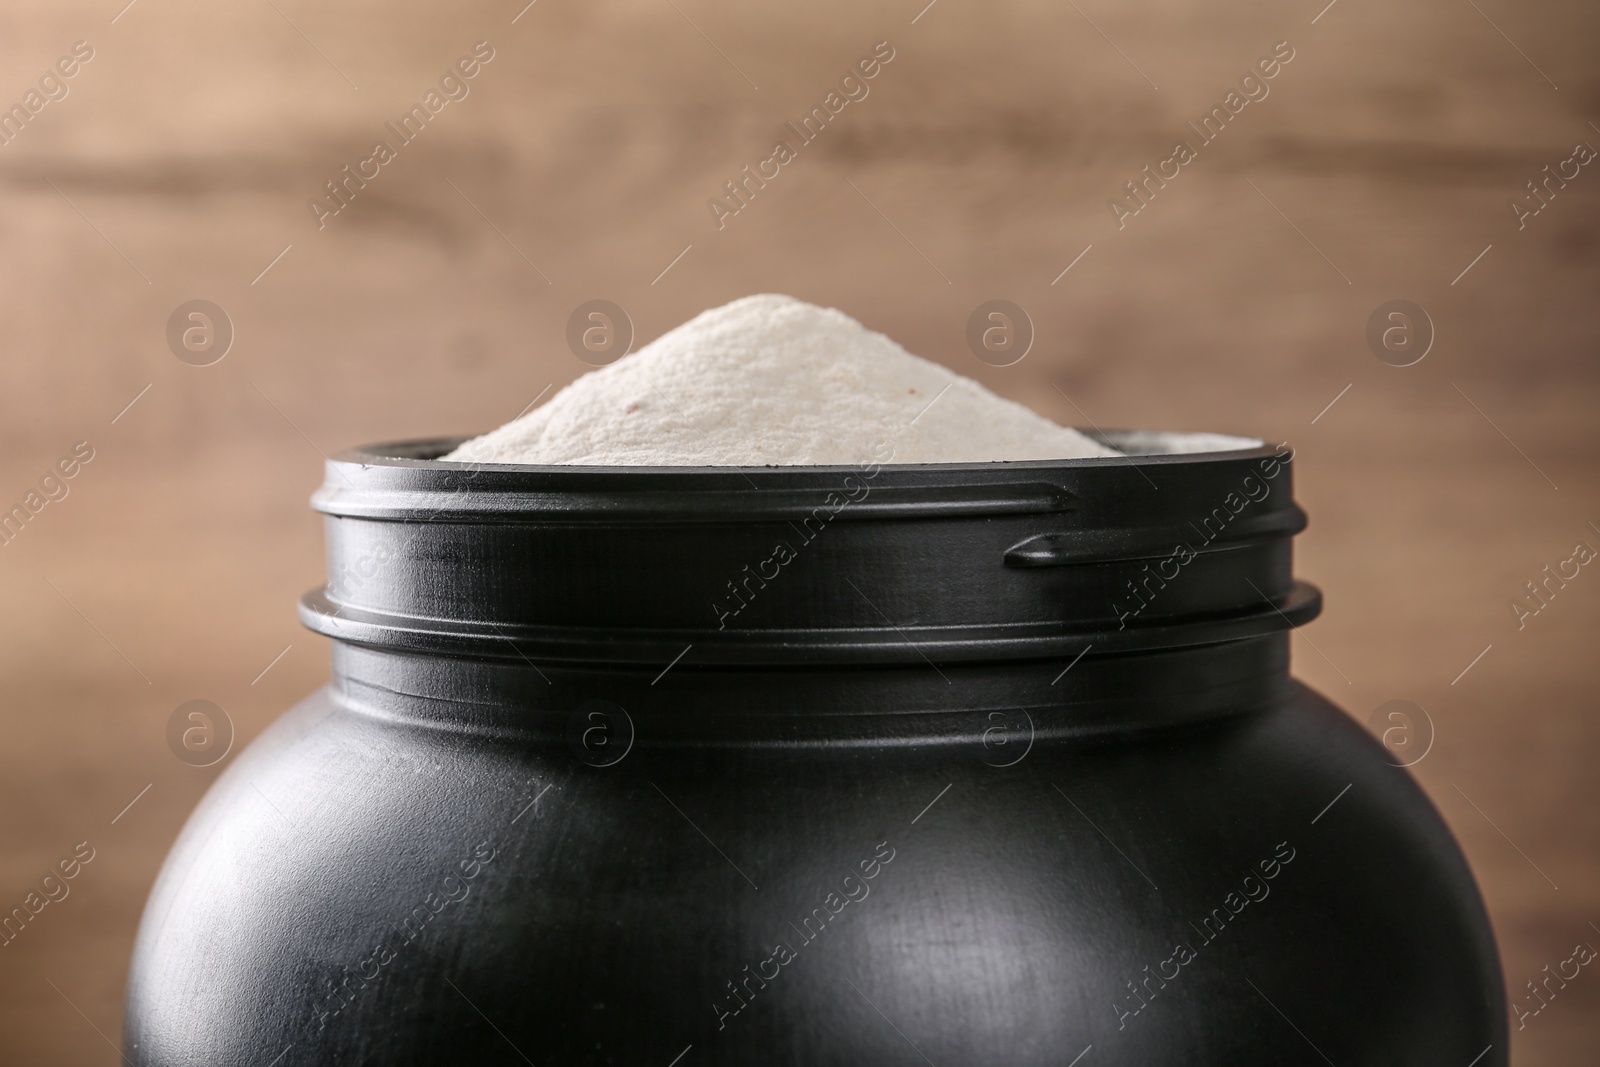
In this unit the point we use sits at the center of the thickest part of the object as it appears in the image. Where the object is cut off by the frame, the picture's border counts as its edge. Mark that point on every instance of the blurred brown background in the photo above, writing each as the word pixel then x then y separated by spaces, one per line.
pixel 1381 164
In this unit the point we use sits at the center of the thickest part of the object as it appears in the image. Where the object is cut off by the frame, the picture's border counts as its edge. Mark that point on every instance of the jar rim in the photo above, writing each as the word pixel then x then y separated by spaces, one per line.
pixel 873 563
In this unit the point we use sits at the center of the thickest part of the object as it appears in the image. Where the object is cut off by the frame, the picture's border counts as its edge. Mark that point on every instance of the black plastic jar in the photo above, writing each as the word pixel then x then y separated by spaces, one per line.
pixel 990 764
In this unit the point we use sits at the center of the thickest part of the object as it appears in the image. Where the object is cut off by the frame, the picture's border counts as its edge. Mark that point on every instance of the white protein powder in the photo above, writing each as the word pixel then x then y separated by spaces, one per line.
pixel 770 380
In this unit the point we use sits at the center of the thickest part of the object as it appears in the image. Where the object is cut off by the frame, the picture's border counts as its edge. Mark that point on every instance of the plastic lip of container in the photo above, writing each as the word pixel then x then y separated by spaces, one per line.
pixel 922 538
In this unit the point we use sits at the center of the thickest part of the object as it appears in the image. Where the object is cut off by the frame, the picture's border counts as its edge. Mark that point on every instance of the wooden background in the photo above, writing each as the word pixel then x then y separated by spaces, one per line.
pixel 1379 167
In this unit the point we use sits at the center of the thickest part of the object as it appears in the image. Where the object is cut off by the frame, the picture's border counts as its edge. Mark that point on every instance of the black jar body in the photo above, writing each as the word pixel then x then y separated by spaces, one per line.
pixel 858 822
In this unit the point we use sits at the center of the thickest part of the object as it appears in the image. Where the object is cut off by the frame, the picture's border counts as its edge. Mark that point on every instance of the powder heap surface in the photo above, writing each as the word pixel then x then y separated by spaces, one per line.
pixel 770 380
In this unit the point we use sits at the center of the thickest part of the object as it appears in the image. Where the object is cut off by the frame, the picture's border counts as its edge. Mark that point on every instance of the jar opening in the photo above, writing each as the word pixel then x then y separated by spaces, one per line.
pixel 778 565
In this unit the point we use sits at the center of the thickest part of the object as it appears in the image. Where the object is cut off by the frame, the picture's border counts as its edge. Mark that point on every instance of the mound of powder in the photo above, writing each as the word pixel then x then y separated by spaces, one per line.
pixel 770 380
